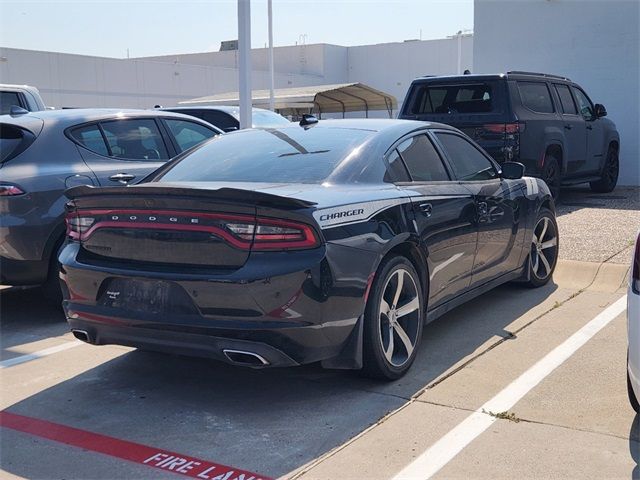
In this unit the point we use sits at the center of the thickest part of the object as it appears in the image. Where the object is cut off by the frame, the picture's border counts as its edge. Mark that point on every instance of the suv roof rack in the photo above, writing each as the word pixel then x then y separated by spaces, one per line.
pixel 548 75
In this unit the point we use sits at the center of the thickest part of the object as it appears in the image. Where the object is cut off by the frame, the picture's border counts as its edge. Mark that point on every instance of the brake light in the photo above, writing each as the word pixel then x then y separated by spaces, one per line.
pixel 271 234
pixel 505 128
pixel 635 271
pixel 10 190
pixel 242 231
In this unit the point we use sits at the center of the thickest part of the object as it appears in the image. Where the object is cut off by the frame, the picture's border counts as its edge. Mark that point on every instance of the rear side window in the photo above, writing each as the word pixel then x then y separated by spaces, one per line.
pixel 8 100
pixel 452 99
pixel 535 96
pixel 566 100
pixel 13 141
pixel 422 160
pixel 467 161
pixel 135 139
pixel 91 138
pixel 396 171
pixel 188 134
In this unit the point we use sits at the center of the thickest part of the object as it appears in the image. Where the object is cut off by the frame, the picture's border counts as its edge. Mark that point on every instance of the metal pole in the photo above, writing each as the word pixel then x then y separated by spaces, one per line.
pixel 459 52
pixel 244 66
pixel 272 100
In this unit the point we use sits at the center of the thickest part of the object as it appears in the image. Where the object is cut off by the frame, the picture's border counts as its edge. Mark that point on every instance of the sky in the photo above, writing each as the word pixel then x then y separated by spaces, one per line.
pixel 158 27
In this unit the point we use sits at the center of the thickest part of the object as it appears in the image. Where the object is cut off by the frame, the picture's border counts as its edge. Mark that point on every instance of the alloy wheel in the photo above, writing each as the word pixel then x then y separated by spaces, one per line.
pixel 611 168
pixel 544 248
pixel 399 317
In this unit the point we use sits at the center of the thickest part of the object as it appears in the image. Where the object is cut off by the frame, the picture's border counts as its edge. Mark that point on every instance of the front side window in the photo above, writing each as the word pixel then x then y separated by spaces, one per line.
pixel 135 139
pixel 188 134
pixel 535 96
pixel 422 160
pixel 467 161
pixel 585 107
pixel 91 138
pixel 566 100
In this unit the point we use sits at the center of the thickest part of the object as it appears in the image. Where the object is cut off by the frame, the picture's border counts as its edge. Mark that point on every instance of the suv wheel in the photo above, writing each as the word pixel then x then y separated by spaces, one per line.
pixel 551 175
pixel 609 177
pixel 393 320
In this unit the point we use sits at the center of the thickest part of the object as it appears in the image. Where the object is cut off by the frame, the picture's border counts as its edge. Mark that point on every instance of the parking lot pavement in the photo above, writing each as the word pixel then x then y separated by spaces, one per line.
pixel 597 227
pixel 325 424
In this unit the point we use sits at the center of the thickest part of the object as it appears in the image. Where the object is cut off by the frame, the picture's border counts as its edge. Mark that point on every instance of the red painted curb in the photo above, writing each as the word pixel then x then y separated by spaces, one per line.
pixel 133 452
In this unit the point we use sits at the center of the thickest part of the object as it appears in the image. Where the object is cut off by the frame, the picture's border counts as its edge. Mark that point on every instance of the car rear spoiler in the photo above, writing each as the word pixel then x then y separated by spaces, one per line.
pixel 225 193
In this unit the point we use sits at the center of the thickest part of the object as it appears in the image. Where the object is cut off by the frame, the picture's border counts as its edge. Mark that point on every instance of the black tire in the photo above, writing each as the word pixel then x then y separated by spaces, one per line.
pixel 51 288
pixel 551 175
pixel 543 255
pixel 633 400
pixel 609 178
pixel 395 327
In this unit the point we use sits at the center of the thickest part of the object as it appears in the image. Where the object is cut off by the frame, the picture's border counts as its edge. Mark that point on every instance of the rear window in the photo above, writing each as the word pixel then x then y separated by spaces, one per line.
pixel 452 99
pixel 13 141
pixel 289 155
pixel 535 96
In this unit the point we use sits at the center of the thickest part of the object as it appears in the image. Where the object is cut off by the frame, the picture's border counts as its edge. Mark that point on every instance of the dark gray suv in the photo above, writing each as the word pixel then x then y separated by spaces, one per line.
pixel 546 122
pixel 44 153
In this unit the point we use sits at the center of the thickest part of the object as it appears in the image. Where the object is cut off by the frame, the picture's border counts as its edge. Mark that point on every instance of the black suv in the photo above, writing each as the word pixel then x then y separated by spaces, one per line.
pixel 545 121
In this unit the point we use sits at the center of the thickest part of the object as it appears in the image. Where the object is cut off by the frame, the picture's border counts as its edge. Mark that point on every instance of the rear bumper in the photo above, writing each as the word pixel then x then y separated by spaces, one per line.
pixel 288 308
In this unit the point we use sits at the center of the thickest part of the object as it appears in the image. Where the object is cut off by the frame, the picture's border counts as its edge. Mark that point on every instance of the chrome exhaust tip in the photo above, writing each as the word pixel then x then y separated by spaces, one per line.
pixel 81 335
pixel 246 359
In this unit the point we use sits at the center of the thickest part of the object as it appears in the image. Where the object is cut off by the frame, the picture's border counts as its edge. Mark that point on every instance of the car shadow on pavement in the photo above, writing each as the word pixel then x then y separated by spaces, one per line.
pixel 26 316
pixel 579 197
pixel 270 421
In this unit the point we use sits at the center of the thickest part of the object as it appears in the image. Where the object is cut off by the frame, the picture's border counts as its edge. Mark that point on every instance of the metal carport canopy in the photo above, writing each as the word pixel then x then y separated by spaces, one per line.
pixel 337 98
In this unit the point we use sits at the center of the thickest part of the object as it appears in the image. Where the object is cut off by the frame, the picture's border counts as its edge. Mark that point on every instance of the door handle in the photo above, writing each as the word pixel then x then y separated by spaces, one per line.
pixel 426 208
pixel 123 178
pixel 568 127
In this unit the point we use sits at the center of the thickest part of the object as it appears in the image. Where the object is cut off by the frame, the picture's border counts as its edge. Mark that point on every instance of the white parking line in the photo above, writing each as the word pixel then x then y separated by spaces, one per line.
pixel 39 354
pixel 445 449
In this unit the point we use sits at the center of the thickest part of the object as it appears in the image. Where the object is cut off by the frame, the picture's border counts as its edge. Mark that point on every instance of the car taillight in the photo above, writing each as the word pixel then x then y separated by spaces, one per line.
pixel 635 271
pixel 271 234
pixel 507 128
pixel 76 225
pixel 10 190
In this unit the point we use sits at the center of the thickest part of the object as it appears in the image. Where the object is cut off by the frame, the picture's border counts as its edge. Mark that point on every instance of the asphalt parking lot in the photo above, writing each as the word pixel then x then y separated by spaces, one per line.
pixel 519 383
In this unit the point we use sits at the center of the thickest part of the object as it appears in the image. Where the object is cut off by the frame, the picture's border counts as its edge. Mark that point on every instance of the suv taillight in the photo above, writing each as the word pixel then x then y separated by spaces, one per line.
pixel 506 128
pixel 635 268
pixel 10 190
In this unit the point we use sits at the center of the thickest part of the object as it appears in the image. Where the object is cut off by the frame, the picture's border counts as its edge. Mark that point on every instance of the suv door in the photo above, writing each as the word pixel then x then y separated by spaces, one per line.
pixel 497 208
pixel 127 149
pixel 595 131
pixel 575 131
pixel 444 215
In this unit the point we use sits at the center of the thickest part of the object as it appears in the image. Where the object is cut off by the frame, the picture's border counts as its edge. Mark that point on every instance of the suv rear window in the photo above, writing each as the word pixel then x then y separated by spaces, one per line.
pixel 467 98
pixel 13 141
pixel 535 96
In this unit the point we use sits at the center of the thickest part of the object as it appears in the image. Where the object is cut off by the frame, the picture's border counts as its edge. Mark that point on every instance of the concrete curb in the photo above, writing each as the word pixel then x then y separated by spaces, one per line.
pixel 601 277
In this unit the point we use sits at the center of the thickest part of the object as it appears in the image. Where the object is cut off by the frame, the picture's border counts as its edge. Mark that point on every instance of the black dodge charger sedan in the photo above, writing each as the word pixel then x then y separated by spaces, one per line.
pixel 331 242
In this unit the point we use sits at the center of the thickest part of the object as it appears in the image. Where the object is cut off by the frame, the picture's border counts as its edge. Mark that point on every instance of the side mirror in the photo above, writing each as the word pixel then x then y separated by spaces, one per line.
pixel 512 170
pixel 600 111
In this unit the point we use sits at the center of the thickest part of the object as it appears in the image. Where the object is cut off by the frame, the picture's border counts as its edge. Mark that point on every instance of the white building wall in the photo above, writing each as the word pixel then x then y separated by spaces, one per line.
pixel 67 80
pixel 595 43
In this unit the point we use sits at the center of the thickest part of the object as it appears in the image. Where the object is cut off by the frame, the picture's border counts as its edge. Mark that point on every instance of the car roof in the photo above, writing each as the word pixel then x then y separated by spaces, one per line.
pixel 515 74
pixel 231 109
pixel 72 116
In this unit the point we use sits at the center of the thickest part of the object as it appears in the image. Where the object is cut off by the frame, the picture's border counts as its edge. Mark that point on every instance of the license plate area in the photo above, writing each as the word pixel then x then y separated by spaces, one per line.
pixel 146 296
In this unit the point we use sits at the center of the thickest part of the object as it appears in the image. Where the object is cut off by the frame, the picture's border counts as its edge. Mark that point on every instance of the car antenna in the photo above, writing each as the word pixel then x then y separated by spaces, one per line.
pixel 308 120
